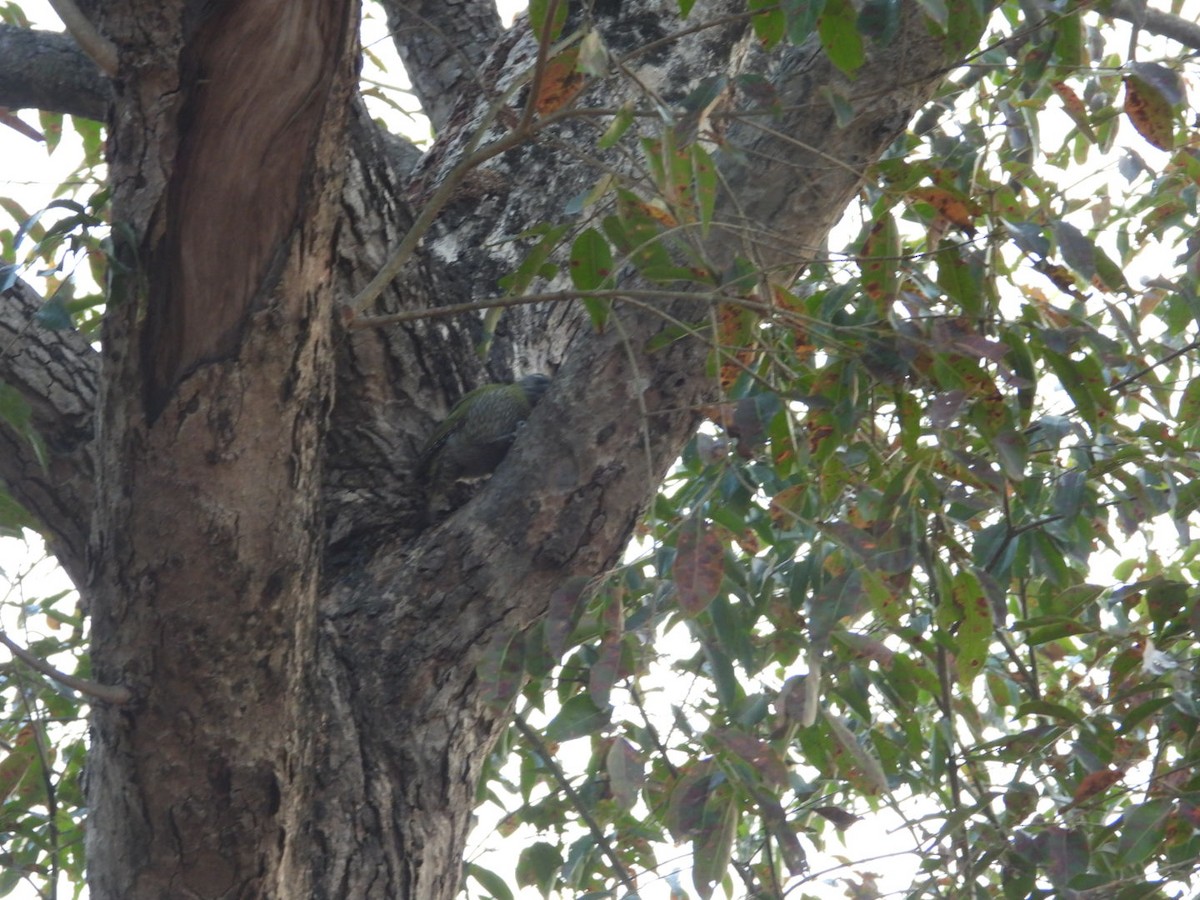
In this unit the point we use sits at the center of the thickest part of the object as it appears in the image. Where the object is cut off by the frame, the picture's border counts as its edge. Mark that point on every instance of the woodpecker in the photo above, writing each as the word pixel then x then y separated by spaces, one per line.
pixel 477 433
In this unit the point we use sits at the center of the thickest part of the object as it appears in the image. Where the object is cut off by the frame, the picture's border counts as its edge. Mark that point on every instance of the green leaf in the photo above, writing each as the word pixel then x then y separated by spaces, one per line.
pixel 1189 409
pixel 705 173
pixel 53 315
pixel 880 20
pixel 626 772
pixel 51 124
pixel 937 10
pixel 712 848
pixel 840 38
pixel 591 264
pixel 579 717
pixel 1068 44
pixel 802 16
pixel 540 24
pixel 1076 248
pixel 17 763
pixel 492 883
pixel 536 263
pixel 964 27
pixel 975 626
pixel 768 21
pixel 538 866
pixel 617 128
pixel 875 780
pixel 13 517
pixel 14 408
pixel 880 262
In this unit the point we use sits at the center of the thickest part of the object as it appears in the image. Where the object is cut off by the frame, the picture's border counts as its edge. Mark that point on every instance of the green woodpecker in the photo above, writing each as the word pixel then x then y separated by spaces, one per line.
pixel 477 433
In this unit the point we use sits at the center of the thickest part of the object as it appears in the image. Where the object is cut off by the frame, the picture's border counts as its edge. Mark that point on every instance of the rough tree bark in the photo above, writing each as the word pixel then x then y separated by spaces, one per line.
pixel 238 505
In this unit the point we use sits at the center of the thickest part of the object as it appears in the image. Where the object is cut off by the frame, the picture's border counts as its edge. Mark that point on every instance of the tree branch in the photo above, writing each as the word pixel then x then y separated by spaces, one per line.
pixel 443 44
pixel 107 693
pixel 1183 31
pixel 100 49
pixel 47 70
pixel 46 461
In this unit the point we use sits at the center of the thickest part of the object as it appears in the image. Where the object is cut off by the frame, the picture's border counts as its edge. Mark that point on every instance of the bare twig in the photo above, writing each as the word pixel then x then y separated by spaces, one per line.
pixel 473 157
pixel 1142 373
pixel 107 693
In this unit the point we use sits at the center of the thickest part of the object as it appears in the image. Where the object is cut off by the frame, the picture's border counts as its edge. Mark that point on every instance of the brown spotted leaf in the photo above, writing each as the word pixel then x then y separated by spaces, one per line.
pixel 561 82
pixel 698 568
pixel 950 205
pixel 1096 783
pixel 1075 108
pixel 1152 95
pixel 880 262
pixel 566 606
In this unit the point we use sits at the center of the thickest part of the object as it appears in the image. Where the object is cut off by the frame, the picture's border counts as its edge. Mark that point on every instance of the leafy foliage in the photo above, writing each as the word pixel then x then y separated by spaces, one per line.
pixel 41 739
pixel 931 559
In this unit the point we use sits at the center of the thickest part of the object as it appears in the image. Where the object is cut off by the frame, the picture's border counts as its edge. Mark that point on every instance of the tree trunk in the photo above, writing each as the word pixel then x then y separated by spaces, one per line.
pixel 217 380
pixel 303 644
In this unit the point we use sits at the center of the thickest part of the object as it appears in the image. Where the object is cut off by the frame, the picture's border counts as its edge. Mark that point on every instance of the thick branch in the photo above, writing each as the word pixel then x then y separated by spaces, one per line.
pixel 443 44
pixel 49 466
pixel 47 70
pixel 1184 31
pixel 792 175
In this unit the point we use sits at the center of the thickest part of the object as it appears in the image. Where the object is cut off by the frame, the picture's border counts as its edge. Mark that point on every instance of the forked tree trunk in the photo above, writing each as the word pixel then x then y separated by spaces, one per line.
pixel 302 646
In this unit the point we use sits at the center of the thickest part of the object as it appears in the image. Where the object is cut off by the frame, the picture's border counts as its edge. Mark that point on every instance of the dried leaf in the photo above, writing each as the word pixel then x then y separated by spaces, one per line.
pixel 950 205
pixel 839 817
pixel 699 567
pixel 1096 783
pixel 561 82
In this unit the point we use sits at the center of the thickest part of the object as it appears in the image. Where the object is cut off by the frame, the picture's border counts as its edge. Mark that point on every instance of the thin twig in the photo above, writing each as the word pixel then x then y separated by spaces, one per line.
pixel 655 738
pixel 533 738
pixel 473 157
pixel 1142 373
pixel 107 693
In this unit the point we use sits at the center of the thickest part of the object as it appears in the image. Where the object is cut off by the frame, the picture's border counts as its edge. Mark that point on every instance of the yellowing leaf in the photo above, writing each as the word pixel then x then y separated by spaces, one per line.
pixel 561 82
pixel 1152 94
pixel 1096 783
pixel 950 205
pixel 735 336
pixel 1075 108
pixel 19 761
pixel 880 261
